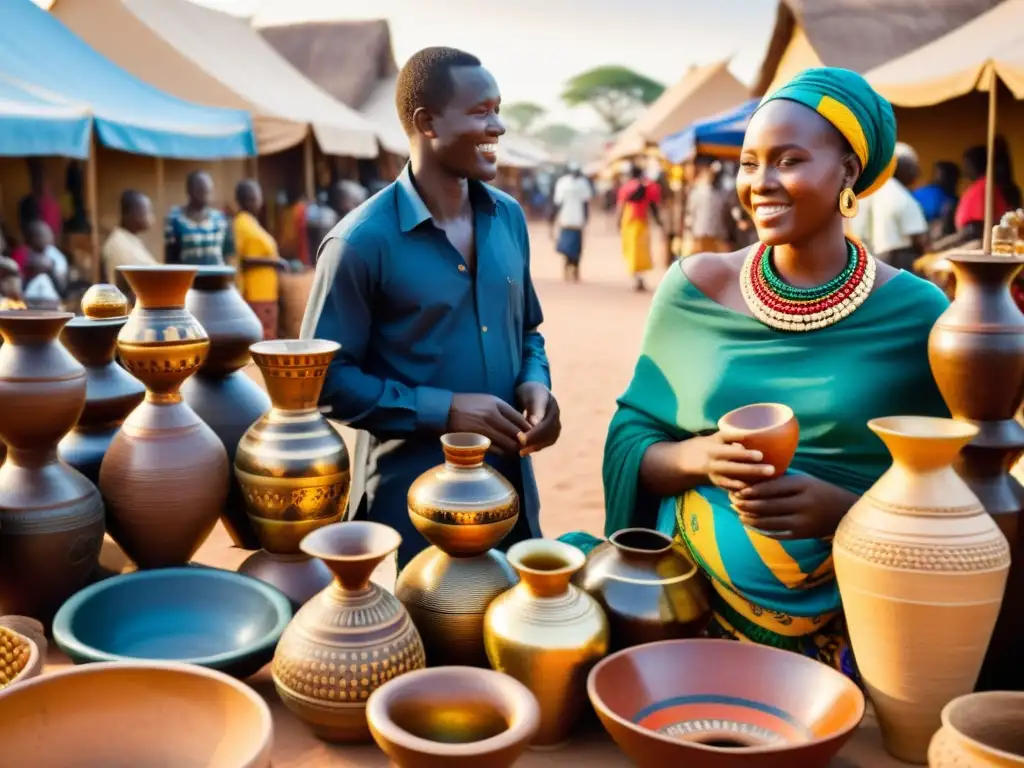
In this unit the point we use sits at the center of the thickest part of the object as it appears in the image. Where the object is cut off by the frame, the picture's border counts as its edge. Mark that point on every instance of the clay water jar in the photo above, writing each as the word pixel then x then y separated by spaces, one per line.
pixel 980 730
pixel 770 428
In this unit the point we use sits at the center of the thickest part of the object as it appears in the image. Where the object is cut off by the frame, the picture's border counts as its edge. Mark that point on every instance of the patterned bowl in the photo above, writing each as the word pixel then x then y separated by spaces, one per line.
pixel 197 615
pixel 20 657
pixel 720 703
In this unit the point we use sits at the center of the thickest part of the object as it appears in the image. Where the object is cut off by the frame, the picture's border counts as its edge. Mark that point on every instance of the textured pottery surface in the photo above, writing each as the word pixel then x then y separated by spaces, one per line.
pixel 980 730
pixel 770 428
pixel 51 517
pixel 723 704
pixel 648 589
pixel 453 717
pixel 223 396
pixel 165 476
pixel 20 656
pixel 203 616
pixel 111 392
pixel 921 568
pixel 299 577
pixel 547 634
pixel 350 639
pixel 138 715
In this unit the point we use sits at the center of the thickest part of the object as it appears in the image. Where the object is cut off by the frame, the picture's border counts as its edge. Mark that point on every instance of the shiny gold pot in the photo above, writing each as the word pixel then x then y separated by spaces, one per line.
pixel 547 634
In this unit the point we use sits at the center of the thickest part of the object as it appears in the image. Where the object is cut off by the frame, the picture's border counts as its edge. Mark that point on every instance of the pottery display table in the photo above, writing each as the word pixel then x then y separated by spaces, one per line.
pixel 296 747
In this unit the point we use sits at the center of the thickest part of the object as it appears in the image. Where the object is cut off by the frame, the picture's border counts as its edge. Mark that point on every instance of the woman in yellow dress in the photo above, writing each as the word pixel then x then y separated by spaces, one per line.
pixel 638 203
pixel 258 261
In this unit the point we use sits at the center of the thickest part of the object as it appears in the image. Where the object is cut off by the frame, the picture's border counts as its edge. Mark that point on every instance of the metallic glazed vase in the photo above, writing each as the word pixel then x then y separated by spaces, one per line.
pixel 547 634
pixel 348 640
pixel 293 468
pixel 464 508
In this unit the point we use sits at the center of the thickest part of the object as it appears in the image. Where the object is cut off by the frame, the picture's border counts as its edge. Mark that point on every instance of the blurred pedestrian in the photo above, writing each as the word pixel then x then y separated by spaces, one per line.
pixel 570 214
pixel 938 199
pixel 707 216
pixel 123 246
pixel 197 233
pixel 637 204
pixel 258 260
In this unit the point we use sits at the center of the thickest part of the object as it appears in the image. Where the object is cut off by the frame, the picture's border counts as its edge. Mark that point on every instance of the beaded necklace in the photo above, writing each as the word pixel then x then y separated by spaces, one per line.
pixel 788 308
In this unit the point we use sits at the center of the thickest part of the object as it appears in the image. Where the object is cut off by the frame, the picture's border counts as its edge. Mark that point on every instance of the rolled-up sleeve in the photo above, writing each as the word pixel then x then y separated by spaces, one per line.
pixel 535 358
pixel 340 309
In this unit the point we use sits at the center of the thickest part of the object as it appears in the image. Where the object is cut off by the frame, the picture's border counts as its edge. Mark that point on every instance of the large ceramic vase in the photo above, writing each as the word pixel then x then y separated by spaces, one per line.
pixel 220 392
pixel 293 468
pixel 464 508
pixel 921 569
pixel 111 392
pixel 51 517
pixel 547 634
pixel 976 350
pixel 980 730
pixel 350 639
pixel 648 588
pixel 165 476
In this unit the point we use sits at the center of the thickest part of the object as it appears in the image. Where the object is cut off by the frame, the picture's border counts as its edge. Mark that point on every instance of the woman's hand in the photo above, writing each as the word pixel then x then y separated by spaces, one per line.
pixel 793 506
pixel 732 467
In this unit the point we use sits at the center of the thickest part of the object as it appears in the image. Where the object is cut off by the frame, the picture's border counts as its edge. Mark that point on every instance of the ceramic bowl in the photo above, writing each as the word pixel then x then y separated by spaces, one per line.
pixel 721 703
pixel 453 717
pixel 20 656
pixel 138 715
pixel 770 428
pixel 204 616
pixel 980 729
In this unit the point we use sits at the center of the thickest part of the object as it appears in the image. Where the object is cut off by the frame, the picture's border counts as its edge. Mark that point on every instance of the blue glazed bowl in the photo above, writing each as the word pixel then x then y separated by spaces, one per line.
pixel 204 616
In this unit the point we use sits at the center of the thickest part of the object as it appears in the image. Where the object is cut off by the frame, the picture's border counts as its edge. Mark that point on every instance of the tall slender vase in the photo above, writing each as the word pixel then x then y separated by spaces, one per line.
pixel 165 477
pixel 223 396
pixel 921 569
pixel 464 508
pixel 547 634
pixel 111 392
pixel 976 350
pixel 293 468
pixel 51 517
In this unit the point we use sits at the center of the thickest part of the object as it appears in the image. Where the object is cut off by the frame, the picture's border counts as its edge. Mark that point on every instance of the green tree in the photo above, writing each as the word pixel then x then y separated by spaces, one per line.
pixel 557 135
pixel 522 115
pixel 613 92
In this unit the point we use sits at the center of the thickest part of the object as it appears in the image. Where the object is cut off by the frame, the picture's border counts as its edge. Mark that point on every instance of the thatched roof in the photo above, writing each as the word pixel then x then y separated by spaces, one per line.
pixel 863 34
pixel 346 58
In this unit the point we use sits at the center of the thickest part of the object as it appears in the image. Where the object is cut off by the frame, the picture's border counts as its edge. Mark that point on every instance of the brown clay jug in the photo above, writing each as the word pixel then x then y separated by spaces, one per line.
pixel 51 517
pixel 293 468
pixel 111 392
pixel 921 570
pixel 165 477
pixel 348 640
pixel 464 508
pixel 220 392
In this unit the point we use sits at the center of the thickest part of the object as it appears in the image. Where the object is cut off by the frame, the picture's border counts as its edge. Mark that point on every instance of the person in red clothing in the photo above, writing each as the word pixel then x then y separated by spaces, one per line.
pixel 638 201
pixel 41 203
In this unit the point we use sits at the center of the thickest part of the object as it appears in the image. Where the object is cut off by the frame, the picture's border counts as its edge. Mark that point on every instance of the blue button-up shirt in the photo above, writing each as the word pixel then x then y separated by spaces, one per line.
pixel 415 326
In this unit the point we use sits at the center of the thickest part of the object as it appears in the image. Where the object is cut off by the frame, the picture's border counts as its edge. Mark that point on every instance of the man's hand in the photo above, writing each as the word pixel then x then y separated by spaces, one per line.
pixel 543 415
pixel 489 416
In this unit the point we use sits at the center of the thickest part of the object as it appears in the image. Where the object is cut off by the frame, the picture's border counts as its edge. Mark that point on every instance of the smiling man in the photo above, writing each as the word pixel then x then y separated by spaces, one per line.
pixel 427 288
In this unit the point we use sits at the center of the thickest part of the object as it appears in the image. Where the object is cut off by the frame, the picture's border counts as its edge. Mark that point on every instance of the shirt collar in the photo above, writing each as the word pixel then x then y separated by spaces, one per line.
pixel 412 211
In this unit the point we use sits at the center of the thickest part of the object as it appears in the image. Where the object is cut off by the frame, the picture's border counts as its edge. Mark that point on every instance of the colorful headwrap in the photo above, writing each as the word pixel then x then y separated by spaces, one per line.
pixel 864 118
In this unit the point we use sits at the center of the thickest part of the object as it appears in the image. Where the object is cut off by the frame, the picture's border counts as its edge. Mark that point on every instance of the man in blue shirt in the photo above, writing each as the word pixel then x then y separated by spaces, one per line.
pixel 427 288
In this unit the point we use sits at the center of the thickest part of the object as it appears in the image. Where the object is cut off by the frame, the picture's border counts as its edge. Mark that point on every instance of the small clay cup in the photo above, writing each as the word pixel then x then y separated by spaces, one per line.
pixel 770 428
pixel 980 729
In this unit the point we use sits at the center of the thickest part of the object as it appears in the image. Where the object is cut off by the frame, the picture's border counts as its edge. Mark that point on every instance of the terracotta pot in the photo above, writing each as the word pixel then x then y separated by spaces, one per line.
pixel 547 634
pixel 293 467
pixel 51 517
pixel 453 717
pixel 463 507
pixel 921 569
pixel 649 590
pixel 223 396
pixel 980 730
pixel 350 639
pixel 165 477
pixel 770 428
pixel 111 392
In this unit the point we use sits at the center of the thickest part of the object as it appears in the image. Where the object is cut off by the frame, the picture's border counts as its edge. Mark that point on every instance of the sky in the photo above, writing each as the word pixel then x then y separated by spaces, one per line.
pixel 533 46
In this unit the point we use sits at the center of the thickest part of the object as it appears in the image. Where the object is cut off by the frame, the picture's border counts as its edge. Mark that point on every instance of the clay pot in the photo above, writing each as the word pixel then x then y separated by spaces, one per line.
pixel 921 568
pixel 770 428
pixel 547 634
pixel 980 730
pixel 165 477
pixel 293 468
pixel 453 717
pixel 223 396
pixel 348 640
pixel 648 589
pixel 111 392
pixel 464 508
pixel 51 517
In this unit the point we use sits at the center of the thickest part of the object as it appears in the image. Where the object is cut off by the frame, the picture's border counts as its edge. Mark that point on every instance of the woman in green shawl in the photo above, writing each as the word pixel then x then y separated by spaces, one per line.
pixel 806 318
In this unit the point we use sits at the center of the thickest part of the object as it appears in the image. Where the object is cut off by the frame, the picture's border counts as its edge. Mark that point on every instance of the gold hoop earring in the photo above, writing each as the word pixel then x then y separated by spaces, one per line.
pixel 848 203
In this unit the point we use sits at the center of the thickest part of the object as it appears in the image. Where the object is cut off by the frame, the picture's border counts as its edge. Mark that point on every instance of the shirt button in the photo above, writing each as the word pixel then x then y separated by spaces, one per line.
pixel 462 267
pixel 484 328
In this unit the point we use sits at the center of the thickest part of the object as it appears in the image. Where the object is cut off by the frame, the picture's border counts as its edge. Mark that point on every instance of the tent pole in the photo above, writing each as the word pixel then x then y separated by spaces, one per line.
pixel 160 183
pixel 993 98
pixel 92 193
pixel 309 169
